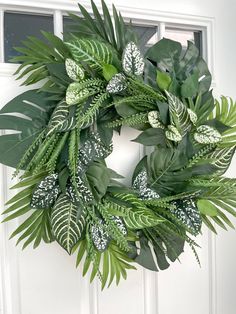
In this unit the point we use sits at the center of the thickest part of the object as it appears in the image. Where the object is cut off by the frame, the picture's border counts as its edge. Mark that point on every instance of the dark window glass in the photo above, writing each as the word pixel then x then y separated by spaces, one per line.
pixel 18 26
pixel 147 36
pixel 183 36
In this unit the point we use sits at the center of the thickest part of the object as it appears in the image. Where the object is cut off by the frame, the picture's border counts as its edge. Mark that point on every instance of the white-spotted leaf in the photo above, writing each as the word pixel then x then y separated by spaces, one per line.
pixel 205 134
pixel 154 119
pixel 73 70
pixel 132 60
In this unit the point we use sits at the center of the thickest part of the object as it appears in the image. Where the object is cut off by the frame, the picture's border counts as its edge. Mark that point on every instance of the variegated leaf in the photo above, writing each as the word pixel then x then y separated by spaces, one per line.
pixel 154 119
pixel 100 236
pixel 188 213
pixel 132 60
pixel 206 134
pixel 92 52
pixel 222 158
pixel 140 185
pixel 46 192
pixel 67 225
pixel 179 116
pixel 73 70
pixel 74 94
pixel 120 224
pixel 193 116
pixel 92 149
pixel 137 215
pixel 83 193
pixel 60 120
pixel 117 84
pixel 173 134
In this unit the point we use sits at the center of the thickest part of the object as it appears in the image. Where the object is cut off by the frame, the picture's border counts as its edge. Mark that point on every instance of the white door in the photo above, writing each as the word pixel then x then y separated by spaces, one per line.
pixel 45 281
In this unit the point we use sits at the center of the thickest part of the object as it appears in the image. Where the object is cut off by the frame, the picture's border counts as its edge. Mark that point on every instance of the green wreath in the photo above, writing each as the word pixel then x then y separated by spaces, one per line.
pixel 94 83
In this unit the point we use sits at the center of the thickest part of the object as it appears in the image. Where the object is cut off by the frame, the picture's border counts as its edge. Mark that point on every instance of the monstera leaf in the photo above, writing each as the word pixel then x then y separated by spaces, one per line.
pixel 67 225
pixel 187 72
pixel 28 114
pixel 165 171
pixel 92 52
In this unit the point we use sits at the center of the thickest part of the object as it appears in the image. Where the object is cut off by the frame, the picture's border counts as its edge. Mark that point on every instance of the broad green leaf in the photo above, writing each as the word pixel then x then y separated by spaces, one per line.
pixel 98 178
pixel 109 71
pixel 190 86
pixel 34 106
pixel 152 137
pixel 165 53
pixel 207 208
pixel 163 80
pixel 166 171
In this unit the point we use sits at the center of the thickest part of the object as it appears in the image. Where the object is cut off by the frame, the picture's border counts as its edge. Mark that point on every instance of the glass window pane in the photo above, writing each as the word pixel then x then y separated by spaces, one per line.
pixel 147 36
pixel 17 26
pixel 183 36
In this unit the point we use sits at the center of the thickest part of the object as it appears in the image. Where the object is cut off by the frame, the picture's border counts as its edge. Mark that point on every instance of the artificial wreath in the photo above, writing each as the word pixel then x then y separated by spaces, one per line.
pixel 93 83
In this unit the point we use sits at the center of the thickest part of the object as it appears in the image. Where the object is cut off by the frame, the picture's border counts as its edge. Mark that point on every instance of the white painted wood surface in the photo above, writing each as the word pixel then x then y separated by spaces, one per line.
pixel 45 281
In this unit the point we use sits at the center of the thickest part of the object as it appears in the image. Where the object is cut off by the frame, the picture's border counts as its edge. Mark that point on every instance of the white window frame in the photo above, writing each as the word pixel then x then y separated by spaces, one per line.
pixel 163 20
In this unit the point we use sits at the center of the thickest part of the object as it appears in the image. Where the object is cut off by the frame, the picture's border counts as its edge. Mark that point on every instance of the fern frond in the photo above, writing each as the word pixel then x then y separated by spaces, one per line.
pixel 133 120
pixel 88 116
pixel 51 164
pixel 29 152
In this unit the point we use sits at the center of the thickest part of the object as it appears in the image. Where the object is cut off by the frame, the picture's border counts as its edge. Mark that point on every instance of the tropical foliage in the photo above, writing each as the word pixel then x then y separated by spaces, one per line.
pixel 92 84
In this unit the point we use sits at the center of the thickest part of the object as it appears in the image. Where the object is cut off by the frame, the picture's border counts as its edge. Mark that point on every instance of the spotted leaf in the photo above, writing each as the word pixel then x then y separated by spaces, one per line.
pixel 140 185
pixel 68 222
pixel 173 134
pixel 74 94
pixel 192 116
pixel 100 236
pixel 117 84
pixel 205 134
pixel 154 119
pixel 132 60
pixel 46 193
pixel 188 213
pixel 74 70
